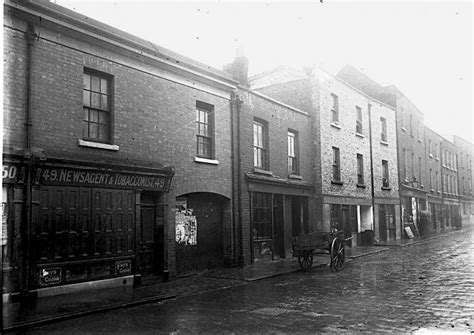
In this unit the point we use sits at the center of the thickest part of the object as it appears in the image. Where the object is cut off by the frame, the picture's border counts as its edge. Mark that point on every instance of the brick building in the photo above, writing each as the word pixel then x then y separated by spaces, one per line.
pixel 449 182
pixel 117 156
pixel 434 185
pixel 465 152
pixel 410 143
pixel 355 162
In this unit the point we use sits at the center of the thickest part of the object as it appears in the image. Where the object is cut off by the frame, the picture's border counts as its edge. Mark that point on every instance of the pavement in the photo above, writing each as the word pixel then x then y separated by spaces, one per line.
pixel 20 316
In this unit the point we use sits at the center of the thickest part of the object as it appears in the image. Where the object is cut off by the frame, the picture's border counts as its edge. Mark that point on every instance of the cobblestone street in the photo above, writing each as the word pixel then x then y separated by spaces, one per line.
pixel 424 287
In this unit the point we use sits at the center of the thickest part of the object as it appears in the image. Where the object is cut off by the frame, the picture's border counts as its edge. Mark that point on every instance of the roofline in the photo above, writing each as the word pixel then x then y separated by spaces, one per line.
pixel 263 96
pixel 114 36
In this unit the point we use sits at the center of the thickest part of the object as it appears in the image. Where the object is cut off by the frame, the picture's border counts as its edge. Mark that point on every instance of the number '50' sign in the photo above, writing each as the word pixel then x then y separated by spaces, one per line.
pixel 9 172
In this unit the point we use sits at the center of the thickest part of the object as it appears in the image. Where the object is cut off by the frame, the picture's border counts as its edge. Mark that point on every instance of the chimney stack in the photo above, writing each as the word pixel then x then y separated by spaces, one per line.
pixel 239 67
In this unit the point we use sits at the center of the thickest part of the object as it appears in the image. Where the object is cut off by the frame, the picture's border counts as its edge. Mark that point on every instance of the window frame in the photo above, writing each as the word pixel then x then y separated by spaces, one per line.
pixel 336 164
pixel 360 169
pixel 260 161
pixel 335 108
pixel 383 133
pixel 359 125
pixel 108 111
pixel 206 140
pixel 385 174
pixel 293 152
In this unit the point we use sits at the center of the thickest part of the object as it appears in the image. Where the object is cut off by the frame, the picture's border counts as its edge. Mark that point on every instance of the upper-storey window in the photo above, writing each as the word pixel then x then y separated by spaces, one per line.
pixel 358 120
pixel 411 125
pixel 436 151
pixel 383 125
pixel 293 167
pixel 205 130
pixel 335 108
pixel 96 96
pixel 385 175
pixel 360 169
pixel 430 149
pixel 402 118
pixel 336 164
pixel 260 133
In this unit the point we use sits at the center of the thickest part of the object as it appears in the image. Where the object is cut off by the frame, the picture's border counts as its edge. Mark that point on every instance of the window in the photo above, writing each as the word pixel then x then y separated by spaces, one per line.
pixel 420 181
pixel 359 120
pixel 430 152
pixel 413 166
pixel 460 161
pixel 405 159
pixel 205 131
pixel 437 181
pixel 383 124
pixel 411 125
pixel 96 96
pixel 260 145
pixel 431 179
pixel 385 179
pixel 335 108
pixel 463 186
pixel 336 164
pixel 436 151
pixel 293 167
pixel 402 117
pixel 360 169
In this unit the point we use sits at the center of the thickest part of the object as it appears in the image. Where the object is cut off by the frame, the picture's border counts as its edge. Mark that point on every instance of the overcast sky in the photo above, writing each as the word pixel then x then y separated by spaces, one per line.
pixel 423 48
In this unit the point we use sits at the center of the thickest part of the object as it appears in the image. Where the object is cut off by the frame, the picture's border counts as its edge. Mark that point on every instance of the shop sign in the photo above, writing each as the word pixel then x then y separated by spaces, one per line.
pixel 12 173
pixel 83 177
pixel 50 276
pixel 123 267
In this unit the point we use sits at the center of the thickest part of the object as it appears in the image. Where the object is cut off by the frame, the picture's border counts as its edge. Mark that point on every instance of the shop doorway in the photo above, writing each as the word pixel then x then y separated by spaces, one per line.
pixel 150 241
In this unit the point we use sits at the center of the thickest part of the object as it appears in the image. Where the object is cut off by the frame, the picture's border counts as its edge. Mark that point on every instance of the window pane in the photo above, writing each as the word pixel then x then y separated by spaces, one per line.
pixel 86 114
pixel 103 132
pixel 86 98
pixel 95 100
pixel 86 81
pixel 104 118
pixel 85 129
pixel 93 115
pixel 104 102
pixel 103 86
pixel 93 130
pixel 95 84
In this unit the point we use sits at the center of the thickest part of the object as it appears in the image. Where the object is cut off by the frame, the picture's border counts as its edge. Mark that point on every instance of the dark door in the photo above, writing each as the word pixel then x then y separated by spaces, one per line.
pixel 278 225
pixel 346 221
pixel 382 223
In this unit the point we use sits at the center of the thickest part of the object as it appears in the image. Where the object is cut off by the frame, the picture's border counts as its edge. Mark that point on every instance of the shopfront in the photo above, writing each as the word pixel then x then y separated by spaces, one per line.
pixel 82 222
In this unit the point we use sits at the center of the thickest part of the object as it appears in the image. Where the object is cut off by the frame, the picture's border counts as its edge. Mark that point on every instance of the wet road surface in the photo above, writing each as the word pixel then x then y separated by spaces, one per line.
pixel 427 287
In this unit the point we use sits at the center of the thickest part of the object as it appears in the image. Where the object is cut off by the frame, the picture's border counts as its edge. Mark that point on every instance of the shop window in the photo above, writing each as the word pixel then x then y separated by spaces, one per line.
pixel 260 144
pixel 97 107
pixel 205 130
pixel 293 167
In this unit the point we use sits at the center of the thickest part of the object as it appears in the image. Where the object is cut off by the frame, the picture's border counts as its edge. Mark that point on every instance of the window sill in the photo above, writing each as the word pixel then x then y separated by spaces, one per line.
pixel 386 188
pixel 432 190
pixel 404 129
pixel 420 140
pixel 360 135
pixel 337 182
pixel 361 185
pixel 384 143
pixel 336 125
pixel 206 160
pixel 295 176
pixel 261 171
pixel 431 155
pixel 437 158
pixel 98 145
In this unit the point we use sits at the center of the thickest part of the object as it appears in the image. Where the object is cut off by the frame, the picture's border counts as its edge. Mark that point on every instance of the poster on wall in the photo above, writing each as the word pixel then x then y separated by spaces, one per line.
pixel 186 223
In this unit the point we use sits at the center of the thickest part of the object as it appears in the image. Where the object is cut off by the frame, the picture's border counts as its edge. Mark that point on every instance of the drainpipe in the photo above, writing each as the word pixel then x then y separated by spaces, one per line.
pixel 398 172
pixel 369 108
pixel 236 105
pixel 27 192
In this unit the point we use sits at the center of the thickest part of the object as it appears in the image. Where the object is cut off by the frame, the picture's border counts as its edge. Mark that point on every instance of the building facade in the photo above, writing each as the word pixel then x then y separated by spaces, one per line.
pixel 355 165
pixel 434 184
pixel 449 181
pixel 464 153
pixel 117 156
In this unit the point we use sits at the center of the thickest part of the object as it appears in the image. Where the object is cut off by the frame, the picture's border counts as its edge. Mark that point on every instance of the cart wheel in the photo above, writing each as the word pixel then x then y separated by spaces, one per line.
pixel 306 260
pixel 337 254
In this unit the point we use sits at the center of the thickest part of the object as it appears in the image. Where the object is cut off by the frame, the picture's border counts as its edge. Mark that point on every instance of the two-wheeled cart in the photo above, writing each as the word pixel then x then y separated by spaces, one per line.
pixel 332 243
